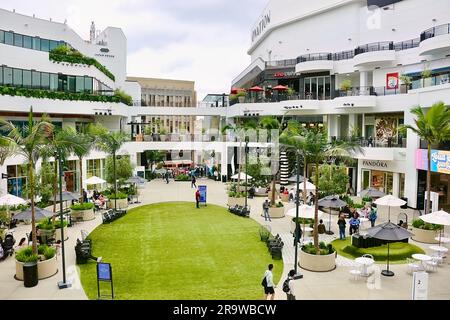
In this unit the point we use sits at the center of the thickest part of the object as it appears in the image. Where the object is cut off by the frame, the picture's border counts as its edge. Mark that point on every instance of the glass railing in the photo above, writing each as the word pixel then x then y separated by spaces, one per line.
pixel 356 91
pixel 377 46
pixel 405 45
pixel 435 31
pixel 344 55
pixel 430 82
pixel 314 57
pixel 282 63
pixel 385 142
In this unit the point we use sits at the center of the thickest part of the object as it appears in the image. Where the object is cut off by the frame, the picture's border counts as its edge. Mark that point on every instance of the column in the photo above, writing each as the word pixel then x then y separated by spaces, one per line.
pixel 352 124
pixel 396 185
pixel 411 178
pixel 363 82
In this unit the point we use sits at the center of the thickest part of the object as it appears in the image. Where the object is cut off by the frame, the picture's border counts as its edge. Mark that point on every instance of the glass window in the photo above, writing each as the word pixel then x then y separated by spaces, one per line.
pixel 27 42
pixel 7 76
pixel 35 79
pixel 9 38
pixel 88 84
pixel 71 85
pixel 80 84
pixel 18 40
pixel 17 77
pixel 314 88
pixel 53 44
pixel 327 88
pixel 1 75
pixel 45 45
pixel 26 78
pixel 45 81
pixel 321 88
pixel 37 43
pixel 53 82
pixel 62 82
pixel 2 36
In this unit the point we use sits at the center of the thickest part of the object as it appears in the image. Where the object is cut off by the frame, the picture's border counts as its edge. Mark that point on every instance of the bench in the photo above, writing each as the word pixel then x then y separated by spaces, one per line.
pixel 112 215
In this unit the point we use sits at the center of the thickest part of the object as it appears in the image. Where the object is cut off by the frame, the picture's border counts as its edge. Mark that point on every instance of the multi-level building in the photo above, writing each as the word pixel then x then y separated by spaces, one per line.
pixel 345 60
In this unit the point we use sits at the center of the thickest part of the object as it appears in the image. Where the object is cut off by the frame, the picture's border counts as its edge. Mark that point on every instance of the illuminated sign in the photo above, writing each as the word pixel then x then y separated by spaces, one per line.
pixel 392 81
pixel 440 160
pixel 285 74
pixel 261 26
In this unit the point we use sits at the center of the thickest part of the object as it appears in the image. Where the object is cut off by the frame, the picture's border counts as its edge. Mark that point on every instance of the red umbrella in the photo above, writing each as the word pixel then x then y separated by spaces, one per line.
pixel 281 88
pixel 256 89
pixel 235 90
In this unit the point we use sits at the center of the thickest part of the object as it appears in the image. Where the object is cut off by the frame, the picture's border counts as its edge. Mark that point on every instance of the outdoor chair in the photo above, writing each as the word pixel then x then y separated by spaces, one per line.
pixel 368 256
pixel 412 265
pixel 432 265
pixel 356 273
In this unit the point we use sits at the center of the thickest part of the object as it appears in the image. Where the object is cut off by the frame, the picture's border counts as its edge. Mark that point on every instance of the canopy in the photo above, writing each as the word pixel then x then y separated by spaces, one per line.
pixel 281 88
pixel 136 179
pixel 438 217
pixel 242 175
pixel 94 180
pixel 332 202
pixel 256 89
pixel 68 196
pixel 39 214
pixel 390 201
pixel 11 200
pixel 309 186
pixel 372 192
pixel 294 178
pixel 304 211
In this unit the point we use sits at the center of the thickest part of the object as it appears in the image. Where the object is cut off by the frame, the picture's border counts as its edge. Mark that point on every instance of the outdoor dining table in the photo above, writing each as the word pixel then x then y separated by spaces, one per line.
pixel 440 250
pixel 443 240
pixel 363 223
pixel 365 262
pixel 422 258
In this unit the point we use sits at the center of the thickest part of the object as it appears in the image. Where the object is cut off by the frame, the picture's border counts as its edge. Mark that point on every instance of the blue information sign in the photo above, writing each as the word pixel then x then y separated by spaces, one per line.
pixel 202 190
pixel 104 271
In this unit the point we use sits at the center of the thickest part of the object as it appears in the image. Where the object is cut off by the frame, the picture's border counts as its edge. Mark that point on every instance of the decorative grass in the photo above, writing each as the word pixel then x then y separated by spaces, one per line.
pixel 173 251
pixel 398 251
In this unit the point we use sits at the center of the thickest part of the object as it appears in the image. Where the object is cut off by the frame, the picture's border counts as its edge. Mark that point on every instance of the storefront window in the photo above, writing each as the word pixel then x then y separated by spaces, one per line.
pixel 366 179
pixel 71 176
pixel 402 185
pixel 17 180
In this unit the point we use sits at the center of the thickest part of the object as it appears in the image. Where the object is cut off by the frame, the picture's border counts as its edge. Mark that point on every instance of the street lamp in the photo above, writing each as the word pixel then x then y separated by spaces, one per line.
pixel 297 225
pixel 246 169
pixel 62 284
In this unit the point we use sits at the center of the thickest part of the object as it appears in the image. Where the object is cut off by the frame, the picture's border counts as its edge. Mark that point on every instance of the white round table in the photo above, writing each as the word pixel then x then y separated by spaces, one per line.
pixel 440 250
pixel 365 262
pixel 422 258
pixel 363 223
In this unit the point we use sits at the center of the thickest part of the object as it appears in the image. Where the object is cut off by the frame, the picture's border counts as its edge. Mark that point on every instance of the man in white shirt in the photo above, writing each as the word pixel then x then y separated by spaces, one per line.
pixel 269 288
pixel 290 294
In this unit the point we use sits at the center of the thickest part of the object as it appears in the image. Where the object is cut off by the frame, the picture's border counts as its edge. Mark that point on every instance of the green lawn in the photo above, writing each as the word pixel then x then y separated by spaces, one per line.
pixel 399 251
pixel 175 251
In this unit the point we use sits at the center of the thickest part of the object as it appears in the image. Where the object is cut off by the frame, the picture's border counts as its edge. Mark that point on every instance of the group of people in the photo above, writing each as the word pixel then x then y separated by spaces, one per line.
pixel 269 286
pixel 310 199
pixel 369 212
pixel 97 198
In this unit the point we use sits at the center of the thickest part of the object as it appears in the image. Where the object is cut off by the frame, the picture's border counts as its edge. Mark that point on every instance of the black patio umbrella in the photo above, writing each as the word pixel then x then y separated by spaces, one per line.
pixel 39 214
pixel 331 202
pixel 372 192
pixel 389 232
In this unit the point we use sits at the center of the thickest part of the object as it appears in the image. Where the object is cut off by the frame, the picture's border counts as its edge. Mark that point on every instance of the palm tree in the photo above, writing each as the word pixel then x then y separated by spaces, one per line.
pixel 28 142
pixel 270 123
pixel 154 156
pixel 433 127
pixel 111 143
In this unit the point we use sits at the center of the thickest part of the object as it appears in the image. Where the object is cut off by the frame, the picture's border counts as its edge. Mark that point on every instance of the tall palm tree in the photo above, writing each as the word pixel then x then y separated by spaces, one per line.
pixel 271 123
pixel 433 127
pixel 28 142
pixel 111 143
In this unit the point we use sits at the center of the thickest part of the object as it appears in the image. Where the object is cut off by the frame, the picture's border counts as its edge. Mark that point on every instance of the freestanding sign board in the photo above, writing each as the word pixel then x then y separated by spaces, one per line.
pixel 420 286
pixel 104 274
pixel 202 190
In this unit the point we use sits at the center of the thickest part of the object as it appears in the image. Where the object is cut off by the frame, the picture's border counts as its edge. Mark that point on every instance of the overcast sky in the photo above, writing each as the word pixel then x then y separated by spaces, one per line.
pixel 201 40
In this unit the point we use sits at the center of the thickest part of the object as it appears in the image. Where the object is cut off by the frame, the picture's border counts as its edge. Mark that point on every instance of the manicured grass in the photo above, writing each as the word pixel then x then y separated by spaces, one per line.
pixel 398 251
pixel 175 251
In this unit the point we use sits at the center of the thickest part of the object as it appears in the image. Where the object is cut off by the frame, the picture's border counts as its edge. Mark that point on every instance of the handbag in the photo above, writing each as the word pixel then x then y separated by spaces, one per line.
pixel 264 282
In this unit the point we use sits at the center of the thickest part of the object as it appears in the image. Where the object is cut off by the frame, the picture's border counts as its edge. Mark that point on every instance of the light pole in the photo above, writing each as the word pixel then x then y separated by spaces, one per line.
pixel 246 169
pixel 297 225
pixel 62 284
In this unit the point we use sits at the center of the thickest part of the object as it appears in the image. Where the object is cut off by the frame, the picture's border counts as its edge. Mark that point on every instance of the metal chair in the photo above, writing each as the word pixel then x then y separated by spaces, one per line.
pixel 432 265
pixel 412 265
pixel 356 273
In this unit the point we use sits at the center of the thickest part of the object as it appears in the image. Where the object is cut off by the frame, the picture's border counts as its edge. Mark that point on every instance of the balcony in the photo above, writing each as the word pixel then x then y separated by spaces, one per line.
pixel 374 54
pixel 435 41
pixel 281 63
pixel 315 62
pixel 176 137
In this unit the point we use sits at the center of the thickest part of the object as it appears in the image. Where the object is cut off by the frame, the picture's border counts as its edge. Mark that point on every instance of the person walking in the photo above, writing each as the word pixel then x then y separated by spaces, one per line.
pixel 297 233
pixel 268 283
pixel 197 198
pixel 167 177
pixel 193 181
pixel 266 210
pixel 341 223
pixel 290 285
pixel 373 216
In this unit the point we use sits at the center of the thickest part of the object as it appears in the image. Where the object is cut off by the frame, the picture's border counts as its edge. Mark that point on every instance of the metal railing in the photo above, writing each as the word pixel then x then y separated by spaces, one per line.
pixel 175 137
pixel 356 91
pixel 344 55
pixel 376 46
pixel 435 31
pixel 408 44
pixel 282 63
pixel 367 142
pixel 314 57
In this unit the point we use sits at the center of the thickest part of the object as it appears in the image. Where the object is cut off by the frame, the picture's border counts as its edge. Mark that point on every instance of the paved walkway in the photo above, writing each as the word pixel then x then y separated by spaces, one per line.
pixel 328 285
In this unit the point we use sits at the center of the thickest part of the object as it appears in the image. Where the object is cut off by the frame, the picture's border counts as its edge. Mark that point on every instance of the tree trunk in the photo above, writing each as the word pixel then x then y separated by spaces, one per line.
pixel 240 167
pixel 427 205
pixel 316 213
pixel 33 220
pixel 272 202
pixel 81 179
pixel 115 181
pixel 55 183
pixel 304 182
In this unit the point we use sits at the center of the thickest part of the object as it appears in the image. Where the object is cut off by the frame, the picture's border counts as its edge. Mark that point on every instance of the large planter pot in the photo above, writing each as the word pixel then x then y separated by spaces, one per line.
pixel 241 99
pixel 276 213
pixel 425 236
pixel 284 197
pixel 58 234
pixel 163 137
pixel 261 192
pixel 147 137
pixel 236 201
pixel 85 215
pixel 317 263
pixel 46 269
pixel 121 203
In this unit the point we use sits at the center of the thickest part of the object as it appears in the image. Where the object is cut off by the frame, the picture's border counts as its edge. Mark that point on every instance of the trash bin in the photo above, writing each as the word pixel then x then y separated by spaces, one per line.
pixel 30 274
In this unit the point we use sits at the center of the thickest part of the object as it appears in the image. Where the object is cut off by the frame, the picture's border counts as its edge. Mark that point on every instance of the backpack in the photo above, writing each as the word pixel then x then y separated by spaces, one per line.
pixel 264 282
pixel 286 285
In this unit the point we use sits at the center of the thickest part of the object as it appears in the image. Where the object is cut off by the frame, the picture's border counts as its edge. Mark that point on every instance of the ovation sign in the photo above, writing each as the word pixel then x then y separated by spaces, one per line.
pixel 440 160
pixel 261 26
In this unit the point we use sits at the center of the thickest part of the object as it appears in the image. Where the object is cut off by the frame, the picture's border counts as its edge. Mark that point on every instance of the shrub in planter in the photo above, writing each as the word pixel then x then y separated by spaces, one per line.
pixel 46 251
pixel 57 224
pixel 323 248
pixel 367 199
pixel 420 224
pixel 118 196
pixel 304 221
pixel 82 206
pixel 182 177
pixel 26 255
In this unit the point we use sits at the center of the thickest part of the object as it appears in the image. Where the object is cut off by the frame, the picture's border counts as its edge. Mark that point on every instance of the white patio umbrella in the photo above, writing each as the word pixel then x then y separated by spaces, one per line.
pixel 242 175
pixel 390 201
pixel 309 186
pixel 11 200
pixel 94 180
pixel 304 211
pixel 438 217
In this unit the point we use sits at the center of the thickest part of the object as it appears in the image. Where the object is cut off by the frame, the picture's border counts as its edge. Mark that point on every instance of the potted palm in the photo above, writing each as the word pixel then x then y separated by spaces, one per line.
pixel 405 83
pixel 162 133
pixel 426 76
pixel 241 96
pixel 147 133
pixel 346 86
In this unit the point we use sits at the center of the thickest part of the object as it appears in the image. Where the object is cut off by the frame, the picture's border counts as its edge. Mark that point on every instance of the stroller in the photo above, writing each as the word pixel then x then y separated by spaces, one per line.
pixel 8 245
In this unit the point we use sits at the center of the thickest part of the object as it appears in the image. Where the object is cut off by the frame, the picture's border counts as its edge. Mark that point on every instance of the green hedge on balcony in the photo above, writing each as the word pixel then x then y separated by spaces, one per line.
pixel 59 95
pixel 66 54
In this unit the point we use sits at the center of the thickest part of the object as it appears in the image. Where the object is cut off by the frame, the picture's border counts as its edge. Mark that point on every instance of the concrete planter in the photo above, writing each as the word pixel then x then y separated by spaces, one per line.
pixel 425 236
pixel 276 213
pixel 86 215
pixel 58 234
pixel 236 201
pixel 148 137
pixel 121 203
pixel 261 192
pixel 317 263
pixel 241 99
pixel 46 269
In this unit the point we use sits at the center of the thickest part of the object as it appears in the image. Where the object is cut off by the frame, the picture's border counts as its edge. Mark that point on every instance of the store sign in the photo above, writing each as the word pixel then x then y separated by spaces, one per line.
pixel 420 286
pixel 440 160
pixel 285 74
pixel 375 163
pixel 261 26
pixel 392 81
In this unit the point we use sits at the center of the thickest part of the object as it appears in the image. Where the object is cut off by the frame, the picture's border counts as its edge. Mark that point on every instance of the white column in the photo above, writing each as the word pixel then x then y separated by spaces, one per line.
pixel 396 185
pixel 363 126
pixel 3 182
pixel 360 177
pixel 84 173
pixel 363 82
pixel 352 123
pixel 411 178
